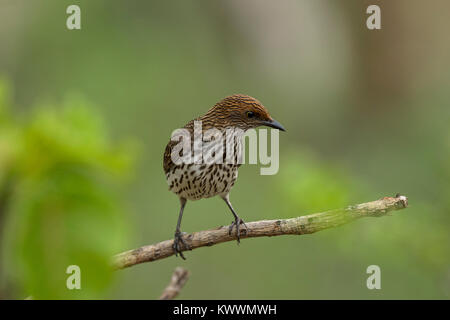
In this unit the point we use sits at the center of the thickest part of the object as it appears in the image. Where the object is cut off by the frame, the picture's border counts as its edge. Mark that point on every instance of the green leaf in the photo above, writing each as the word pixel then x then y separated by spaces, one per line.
pixel 66 209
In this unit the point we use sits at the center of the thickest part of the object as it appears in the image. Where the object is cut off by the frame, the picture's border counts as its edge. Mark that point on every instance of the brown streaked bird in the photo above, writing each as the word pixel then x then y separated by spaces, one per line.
pixel 194 181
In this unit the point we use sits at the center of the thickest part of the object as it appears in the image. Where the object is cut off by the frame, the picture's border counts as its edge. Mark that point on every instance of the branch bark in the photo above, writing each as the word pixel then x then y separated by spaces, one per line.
pixel 177 282
pixel 265 228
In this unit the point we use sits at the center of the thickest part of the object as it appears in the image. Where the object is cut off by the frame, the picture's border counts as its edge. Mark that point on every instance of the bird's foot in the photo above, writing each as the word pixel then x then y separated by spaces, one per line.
pixel 237 222
pixel 177 241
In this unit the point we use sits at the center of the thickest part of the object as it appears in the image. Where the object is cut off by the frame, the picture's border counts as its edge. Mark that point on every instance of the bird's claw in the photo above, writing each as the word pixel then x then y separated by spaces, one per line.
pixel 176 244
pixel 237 222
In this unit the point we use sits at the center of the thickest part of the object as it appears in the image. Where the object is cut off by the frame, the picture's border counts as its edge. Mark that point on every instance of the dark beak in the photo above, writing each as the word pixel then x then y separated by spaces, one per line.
pixel 273 124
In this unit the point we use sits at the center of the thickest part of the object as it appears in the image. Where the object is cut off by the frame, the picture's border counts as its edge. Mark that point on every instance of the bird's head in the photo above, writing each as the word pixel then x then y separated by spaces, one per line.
pixel 241 111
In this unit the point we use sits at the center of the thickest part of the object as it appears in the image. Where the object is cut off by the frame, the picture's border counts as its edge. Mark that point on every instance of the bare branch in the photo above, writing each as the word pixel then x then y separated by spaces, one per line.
pixel 179 278
pixel 265 228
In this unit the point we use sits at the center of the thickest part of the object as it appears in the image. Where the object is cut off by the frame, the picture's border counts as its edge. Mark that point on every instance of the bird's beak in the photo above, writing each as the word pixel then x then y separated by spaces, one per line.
pixel 273 124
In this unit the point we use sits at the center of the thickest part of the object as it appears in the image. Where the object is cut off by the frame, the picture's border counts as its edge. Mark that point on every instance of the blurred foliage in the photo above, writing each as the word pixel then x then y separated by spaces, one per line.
pixel 65 207
pixel 308 185
pixel 7 133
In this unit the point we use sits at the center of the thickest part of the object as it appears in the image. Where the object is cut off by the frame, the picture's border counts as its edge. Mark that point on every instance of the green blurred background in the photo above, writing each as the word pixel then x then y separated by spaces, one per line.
pixel 85 116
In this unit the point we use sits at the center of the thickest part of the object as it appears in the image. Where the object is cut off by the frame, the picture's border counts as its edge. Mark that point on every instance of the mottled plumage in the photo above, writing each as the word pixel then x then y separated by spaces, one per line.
pixel 193 181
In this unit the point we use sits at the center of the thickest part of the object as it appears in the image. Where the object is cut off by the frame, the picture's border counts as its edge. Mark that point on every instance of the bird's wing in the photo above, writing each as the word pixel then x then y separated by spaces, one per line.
pixel 167 160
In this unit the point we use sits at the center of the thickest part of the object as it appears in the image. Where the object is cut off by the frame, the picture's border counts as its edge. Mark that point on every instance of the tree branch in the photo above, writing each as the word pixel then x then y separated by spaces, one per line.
pixel 179 278
pixel 265 228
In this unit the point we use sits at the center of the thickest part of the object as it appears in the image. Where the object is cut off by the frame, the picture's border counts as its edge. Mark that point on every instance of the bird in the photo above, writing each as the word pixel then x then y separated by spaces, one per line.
pixel 193 181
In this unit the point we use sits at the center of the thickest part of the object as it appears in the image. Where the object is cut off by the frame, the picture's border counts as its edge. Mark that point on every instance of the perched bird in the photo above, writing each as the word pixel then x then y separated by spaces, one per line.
pixel 193 181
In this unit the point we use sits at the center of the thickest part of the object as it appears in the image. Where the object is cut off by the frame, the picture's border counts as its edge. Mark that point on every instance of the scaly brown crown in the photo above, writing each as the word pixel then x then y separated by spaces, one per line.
pixel 239 111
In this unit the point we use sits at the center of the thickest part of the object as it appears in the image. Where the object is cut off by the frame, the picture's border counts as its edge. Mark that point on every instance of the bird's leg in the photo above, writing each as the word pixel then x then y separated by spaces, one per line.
pixel 237 221
pixel 179 235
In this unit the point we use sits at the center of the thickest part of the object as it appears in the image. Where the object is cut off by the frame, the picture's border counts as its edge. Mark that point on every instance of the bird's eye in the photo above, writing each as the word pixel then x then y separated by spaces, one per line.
pixel 250 114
